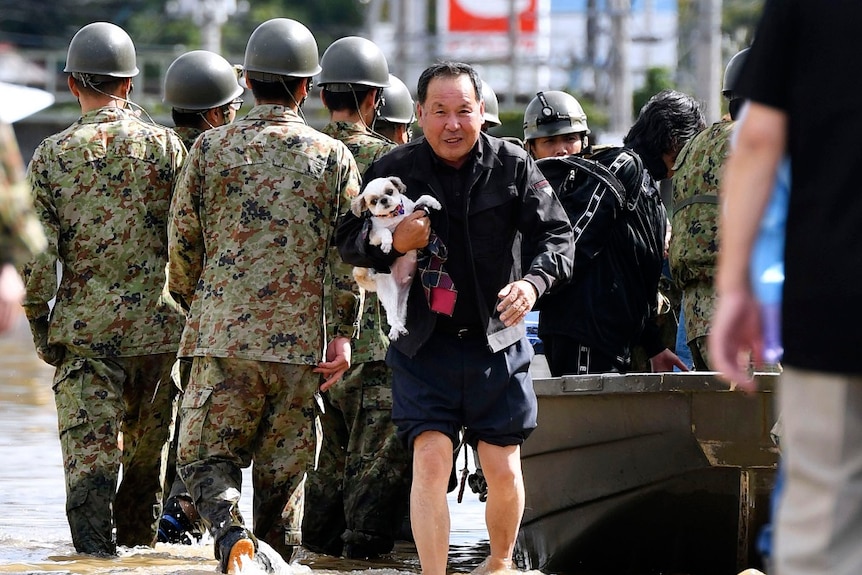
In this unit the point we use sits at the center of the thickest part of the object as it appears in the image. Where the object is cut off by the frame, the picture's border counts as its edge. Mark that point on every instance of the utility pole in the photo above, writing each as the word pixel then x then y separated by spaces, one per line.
pixel 400 27
pixel 514 33
pixel 620 78
pixel 592 35
pixel 399 13
pixel 648 26
pixel 708 69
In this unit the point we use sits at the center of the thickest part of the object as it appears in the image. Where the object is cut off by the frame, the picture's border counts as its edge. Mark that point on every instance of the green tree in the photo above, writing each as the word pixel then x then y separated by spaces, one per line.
pixel 657 79
pixel 51 24
pixel 738 20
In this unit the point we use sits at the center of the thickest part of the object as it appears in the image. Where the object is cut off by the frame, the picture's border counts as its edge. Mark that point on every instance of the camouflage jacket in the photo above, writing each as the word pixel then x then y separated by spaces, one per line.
pixel 694 238
pixel 188 135
pixel 252 221
pixel 371 342
pixel 102 190
pixel 21 235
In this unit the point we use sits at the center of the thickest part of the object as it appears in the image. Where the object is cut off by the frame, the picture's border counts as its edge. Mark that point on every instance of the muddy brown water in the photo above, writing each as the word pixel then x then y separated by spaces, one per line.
pixel 34 535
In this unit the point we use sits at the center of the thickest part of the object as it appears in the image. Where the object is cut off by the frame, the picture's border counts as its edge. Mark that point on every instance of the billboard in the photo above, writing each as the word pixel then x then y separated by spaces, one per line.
pixel 479 30
pixel 491 15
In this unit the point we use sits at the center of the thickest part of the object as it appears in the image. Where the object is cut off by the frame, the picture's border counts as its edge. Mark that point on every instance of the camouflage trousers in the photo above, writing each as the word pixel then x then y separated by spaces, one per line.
pixel 97 399
pixel 700 353
pixel 359 491
pixel 175 487
pixel 235 412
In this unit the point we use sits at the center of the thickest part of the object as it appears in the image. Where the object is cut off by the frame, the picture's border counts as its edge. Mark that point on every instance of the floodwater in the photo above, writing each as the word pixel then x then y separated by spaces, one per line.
pixel 34 535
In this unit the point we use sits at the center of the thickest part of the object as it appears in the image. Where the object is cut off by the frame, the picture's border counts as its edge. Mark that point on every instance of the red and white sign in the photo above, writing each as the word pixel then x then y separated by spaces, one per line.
pixel 478 32
pixel 479 29
pixel 490 15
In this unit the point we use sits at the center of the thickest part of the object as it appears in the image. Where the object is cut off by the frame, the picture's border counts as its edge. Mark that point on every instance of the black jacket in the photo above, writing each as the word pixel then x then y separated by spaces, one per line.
pixel 619 253
pixel 507 195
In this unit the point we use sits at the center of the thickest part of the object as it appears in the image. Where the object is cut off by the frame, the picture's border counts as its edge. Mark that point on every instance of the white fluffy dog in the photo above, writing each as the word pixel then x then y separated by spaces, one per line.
pixel 384 198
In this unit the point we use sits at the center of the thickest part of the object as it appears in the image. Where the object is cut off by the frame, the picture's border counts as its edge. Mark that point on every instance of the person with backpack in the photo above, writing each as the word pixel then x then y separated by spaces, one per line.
pixel 694 244
pixel 591 324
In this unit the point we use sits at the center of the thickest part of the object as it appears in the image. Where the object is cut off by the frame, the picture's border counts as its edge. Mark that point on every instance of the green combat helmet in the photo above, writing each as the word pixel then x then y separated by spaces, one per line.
pixel 101 51
pixel 398 106
pixel 281 47
pixel 492 106
pixel 200 80
pixel 353 61
pixel 732 72
pixel 553 113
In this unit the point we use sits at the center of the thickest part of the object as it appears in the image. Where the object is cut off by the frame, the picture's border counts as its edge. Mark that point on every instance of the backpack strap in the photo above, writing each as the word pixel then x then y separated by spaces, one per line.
pixel 696 199
pixel 599 171
pixel 623 157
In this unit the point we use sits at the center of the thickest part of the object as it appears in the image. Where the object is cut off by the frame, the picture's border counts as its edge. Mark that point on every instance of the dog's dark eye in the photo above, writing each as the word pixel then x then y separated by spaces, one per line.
pixel 374 202
pixel 389 192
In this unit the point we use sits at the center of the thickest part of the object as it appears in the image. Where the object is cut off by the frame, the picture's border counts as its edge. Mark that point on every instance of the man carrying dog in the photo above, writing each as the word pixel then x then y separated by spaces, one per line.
pixel 464 362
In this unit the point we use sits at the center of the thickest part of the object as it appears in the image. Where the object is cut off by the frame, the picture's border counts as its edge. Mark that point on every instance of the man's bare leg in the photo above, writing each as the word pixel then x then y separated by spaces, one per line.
pixel 505 505
pixel 429 509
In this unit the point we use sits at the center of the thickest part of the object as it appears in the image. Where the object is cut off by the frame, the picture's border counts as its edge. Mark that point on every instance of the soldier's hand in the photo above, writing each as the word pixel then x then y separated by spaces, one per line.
pixel 51 354
pixel 412 233
pixel 337 362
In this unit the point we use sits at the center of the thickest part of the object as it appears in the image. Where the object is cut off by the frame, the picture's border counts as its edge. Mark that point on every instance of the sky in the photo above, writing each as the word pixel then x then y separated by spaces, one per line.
pixel 637 5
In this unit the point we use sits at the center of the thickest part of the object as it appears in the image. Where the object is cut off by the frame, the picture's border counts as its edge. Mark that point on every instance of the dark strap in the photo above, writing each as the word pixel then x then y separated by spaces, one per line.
pixel 696 199
pixel 595 169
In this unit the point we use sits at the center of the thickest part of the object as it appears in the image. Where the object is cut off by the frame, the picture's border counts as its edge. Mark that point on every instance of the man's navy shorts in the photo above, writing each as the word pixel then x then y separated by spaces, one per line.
pixel 454 383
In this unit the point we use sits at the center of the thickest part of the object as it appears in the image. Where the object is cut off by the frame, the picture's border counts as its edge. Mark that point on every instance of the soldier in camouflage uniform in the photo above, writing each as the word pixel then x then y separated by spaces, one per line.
pixel 202 89
pixel 252 222
pixel 102 190
pixel 694 240
pixel 396 114
pixel 21 235
pixel 356 499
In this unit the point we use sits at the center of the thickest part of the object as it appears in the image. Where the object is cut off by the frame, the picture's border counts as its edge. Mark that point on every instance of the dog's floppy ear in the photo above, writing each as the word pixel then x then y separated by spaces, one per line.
pixel 399 185
pixel 357 205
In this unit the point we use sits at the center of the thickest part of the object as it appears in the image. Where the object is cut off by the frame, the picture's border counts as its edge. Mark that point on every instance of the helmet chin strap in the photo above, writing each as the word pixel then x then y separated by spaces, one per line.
pixel 87 81
pixel 203 116
pixel 292 97
pixel 378 102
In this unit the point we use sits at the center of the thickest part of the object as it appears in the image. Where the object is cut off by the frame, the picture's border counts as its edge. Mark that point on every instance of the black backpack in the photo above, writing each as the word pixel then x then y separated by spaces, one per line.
pixel 584 186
